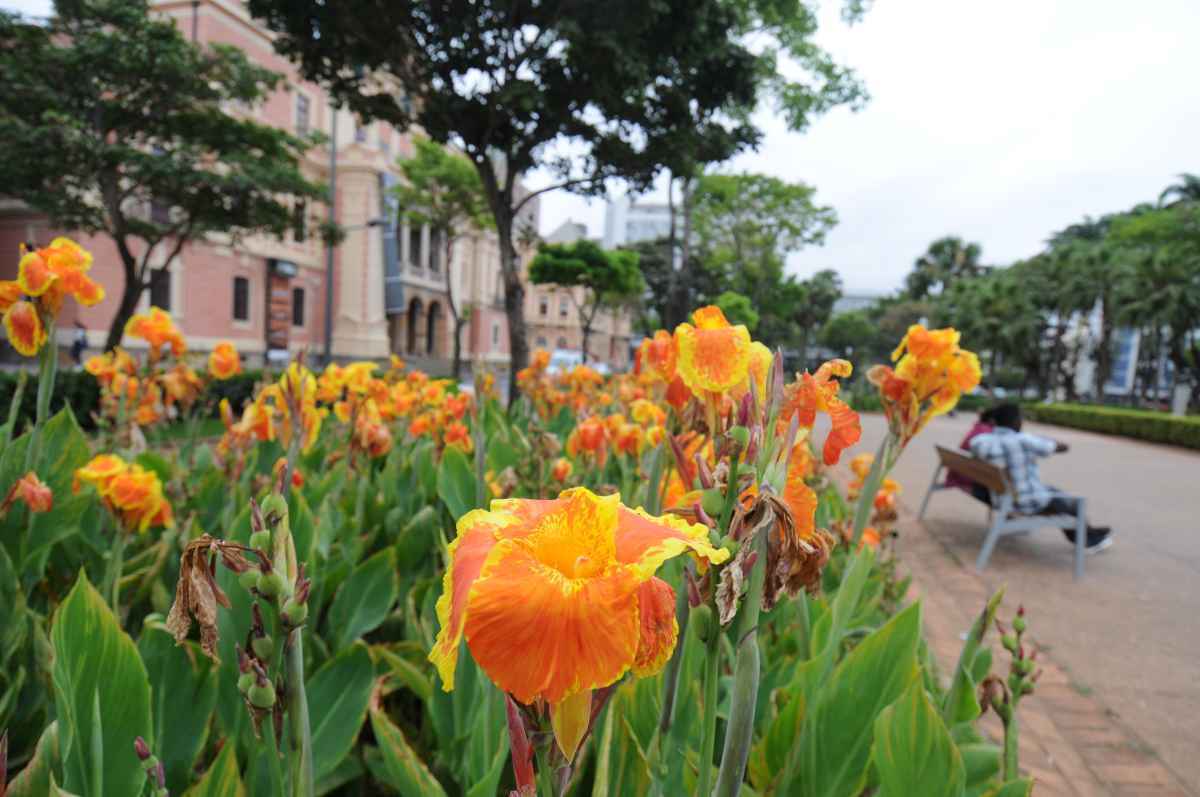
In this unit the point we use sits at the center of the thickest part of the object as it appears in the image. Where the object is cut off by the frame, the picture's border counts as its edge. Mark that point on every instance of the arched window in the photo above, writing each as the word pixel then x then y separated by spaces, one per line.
pixel 432 336
pixel 414 326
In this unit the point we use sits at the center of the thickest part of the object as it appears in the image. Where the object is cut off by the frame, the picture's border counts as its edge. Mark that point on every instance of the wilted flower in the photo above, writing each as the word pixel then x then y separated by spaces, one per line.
pixel 558 597
pixel 31 491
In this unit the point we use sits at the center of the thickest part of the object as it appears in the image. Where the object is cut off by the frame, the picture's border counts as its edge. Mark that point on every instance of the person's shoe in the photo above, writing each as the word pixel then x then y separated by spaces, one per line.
pixel 1098 539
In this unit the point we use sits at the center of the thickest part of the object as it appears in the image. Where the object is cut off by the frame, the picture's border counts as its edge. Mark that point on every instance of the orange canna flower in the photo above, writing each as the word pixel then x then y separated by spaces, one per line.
pixel 32 491
pixel 589 437
pixel 158 330
pixel 25 329
pixel 57 271
pixel 819 392
pixel 561 469
pixel 678 394
pixel 458 435
pixel 656 357
pixel 558 597
pixel 223 361
pixel 870 538
pixel 10 294
pixel 131 492
pixel 713 356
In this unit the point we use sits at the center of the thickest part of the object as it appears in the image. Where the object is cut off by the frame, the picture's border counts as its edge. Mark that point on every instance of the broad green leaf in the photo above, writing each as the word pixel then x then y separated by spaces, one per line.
pixel 222 778
pixel 102 696
pixel 155 462
pixel 338 695
pixel 405 672
pixel 426 467
pixel 416 540
pixel 835 745
pixel 183 700
pixel 456 483
pixel 914 753
pixel 1014 788
pixel 981 761
pixel 401 768
pixel 35 779
pixel 364 599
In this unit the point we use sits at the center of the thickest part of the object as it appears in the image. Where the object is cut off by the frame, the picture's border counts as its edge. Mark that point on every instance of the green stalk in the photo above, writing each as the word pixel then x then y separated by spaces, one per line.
pixel 866 496
pixel 654 489
pixel 276 772
pixel 708 739
pixel 671 676
pixel 302 764
pixel 544 774
pixel 739 733
pixel 47 370
pixel 805 635
pixel 1011 733
pixel 11 425
pixel 115 563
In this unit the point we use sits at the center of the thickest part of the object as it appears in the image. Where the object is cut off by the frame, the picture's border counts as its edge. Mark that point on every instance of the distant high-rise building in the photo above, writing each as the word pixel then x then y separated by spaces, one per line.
pixel 628 222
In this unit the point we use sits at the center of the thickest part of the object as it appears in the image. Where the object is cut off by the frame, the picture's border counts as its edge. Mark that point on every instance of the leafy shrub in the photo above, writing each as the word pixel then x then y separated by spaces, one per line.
pixel 1149 425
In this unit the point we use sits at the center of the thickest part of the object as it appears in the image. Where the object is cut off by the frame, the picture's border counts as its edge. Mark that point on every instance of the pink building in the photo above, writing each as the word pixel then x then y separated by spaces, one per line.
pixel 389 287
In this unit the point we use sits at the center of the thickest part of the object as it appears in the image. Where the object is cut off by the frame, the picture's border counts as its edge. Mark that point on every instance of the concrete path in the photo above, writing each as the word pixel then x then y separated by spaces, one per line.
pixel 1124 643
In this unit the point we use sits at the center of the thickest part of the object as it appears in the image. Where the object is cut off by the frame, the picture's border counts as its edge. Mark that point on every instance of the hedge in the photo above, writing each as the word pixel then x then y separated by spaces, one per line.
pixel 1149 425
pixel 82 392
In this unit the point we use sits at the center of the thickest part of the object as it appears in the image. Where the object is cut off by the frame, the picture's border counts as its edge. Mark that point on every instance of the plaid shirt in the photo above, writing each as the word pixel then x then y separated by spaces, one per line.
pixel 1018 453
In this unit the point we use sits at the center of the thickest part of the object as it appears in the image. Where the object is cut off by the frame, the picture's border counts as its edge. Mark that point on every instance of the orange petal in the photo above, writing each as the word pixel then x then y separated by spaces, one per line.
pixel 846 430
pixel 24 327
pixel 539 634
pixel 34 274
pixel 645 541
pixel 467 554
pixel 659 628
pixel 713 355
pixel 570 718
pixel 10 294
pixel 35 493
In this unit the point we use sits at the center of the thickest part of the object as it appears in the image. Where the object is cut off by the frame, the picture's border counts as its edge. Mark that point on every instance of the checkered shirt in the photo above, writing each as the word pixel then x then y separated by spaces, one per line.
pixel 1018 453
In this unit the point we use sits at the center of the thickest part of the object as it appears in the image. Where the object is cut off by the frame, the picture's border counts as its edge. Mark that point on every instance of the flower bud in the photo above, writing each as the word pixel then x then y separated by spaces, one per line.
pixel 741 436
pixel 293 612
pixel 263 647
pixel 141 748
pixel 713 501
pixel 249 579
pixel 1019 624
pixel 702 620
pixel 261 540
pixel 1008 641
pixel 270 584
pixel 261 695
pixel 245 681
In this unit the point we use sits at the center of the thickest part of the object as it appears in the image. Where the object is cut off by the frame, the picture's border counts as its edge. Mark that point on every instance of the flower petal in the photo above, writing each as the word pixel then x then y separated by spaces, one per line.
pixel 34 274
pixel 538 633
pixel 645 541
pixel 659 628
pixel 570 718
pixel 24 327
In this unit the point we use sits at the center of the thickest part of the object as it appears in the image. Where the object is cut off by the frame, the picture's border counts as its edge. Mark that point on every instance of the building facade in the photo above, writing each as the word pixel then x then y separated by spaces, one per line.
pixel 552 316
pixel 628 222
pixel 390 287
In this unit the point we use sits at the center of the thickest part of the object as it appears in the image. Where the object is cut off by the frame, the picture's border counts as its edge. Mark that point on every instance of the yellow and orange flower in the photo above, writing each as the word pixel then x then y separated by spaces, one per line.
pixel 589 437
pixel 713 356
pixel 932 374
pixel 223 361
pixel 558 597
pixel 24 327
pixel 458 435
pixel 31 491
pixel 655 358
pixel 158 330
pixel 132 493
pixel 560 471
pixel 819 392
pixel 57 271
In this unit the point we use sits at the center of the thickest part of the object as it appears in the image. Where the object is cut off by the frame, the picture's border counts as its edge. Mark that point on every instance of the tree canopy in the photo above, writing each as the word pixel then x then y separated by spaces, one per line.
pixel 114 123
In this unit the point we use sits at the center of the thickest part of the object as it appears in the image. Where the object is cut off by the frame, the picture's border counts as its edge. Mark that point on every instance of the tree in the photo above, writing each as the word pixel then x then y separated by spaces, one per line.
pixel 947 259
pixel 1186 190
pixel 609 278
pixel 443 190
pixel 848 334
pixel 738 309
pixel 114 124
pixel 586 91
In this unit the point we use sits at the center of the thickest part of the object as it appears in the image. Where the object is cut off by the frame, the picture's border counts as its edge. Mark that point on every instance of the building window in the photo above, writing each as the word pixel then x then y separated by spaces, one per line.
pixel 297 307
pixel 562 307
pixel 385 140
pixel 160 288
pixel 360 131
pixel 414 246
pixel 300 221
pixel 541 342
pixel 495 334
pixel 241 299
pixel 562 343
pixel 435 250
pixel 543 305
pixel 301 115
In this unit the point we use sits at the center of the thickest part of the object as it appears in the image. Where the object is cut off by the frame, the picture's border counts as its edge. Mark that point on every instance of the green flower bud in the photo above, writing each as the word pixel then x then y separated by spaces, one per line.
pixel 249 579
pixel 245 681
pixel 261 541
pixel 712 501
pixel 294 614
pixel 741 435
pixel 1019 624
pixel 270 584
pixel 261 696
pixel 1008 641
pixel 701 620
pixel 263 647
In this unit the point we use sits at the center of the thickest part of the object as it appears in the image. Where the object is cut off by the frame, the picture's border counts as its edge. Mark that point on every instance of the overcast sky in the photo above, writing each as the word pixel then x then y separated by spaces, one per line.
pixel 999 122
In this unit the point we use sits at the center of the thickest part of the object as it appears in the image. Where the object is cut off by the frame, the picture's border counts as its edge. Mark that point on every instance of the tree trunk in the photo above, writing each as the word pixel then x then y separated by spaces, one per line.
pixel 1104 349
pixel 457 367
pixel 131 294
pixel 459 324
pixel 677 308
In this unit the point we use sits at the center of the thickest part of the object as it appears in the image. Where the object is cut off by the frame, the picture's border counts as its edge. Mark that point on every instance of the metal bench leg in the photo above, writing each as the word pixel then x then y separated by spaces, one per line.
pixel 989 542
pixel 1080 536
pixel 933 487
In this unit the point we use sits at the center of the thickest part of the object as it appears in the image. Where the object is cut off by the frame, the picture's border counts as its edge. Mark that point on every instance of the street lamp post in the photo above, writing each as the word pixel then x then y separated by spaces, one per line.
pixel 329 244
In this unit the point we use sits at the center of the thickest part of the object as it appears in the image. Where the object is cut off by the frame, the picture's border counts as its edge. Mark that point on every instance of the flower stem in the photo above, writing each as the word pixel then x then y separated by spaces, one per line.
pixel 1011 735
pixel 115 564
pixel 47 370
pixel 708 739
pixel 866 496
pixel 739 733
pixel 14 407
pixel 302 762
pixel 276 772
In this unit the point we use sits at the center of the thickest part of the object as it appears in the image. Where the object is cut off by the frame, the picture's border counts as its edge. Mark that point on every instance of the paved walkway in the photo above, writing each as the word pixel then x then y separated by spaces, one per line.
pixel 1118 709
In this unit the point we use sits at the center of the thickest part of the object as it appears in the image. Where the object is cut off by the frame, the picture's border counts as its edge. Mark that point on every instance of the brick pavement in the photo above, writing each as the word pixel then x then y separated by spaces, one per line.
pixel 1070 741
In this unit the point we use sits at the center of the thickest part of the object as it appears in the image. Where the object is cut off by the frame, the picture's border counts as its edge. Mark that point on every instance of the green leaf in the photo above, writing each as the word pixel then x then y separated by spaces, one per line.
pixel 835 745
pixel 222 778
pixel 456 483
pixel 406 672
pixel 183 700
pixel 102 697
pixel 401 768
pixel 1014 788
pixel 155 462
pixel 980 760
pixel 417 539
pixel 364 599
pixel 338 695
pixel 914 753
pixel 960 703
pixel 36 778
pixel 425 467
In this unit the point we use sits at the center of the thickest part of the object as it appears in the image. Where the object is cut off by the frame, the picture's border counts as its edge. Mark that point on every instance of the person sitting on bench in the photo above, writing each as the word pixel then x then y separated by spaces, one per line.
pixel 1018 452
pixel 984 425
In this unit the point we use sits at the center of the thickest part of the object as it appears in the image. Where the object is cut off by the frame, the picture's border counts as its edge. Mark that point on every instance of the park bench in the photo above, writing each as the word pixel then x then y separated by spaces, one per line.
pixel 1003 518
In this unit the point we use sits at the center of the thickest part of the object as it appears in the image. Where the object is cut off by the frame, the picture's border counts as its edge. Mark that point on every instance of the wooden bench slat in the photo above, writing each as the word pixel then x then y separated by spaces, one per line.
pixel 976 470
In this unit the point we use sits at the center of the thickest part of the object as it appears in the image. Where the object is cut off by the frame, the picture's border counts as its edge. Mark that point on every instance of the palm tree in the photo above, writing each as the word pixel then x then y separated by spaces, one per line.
pixel 947 260
pixel 1186 190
